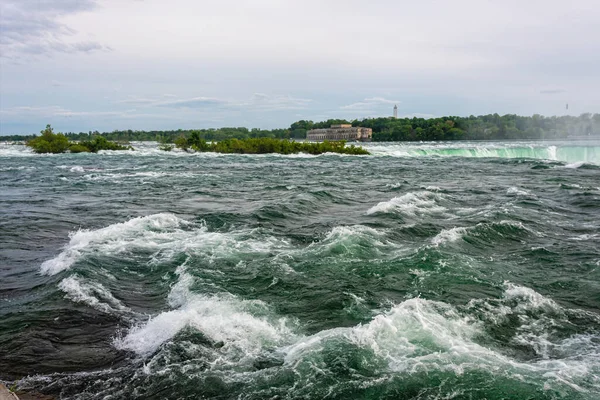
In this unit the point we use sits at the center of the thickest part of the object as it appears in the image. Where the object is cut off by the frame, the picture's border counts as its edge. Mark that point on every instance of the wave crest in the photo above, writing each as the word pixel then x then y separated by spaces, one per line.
pixel 411 204
pixel 115 238
pixel 158 237
pixel 91 293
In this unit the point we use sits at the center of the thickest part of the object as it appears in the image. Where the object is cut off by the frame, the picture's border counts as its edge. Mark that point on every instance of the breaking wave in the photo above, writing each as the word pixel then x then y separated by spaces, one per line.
pixel 448 236
pixel 420 336
pixel 93 294
pixel 411 204
pixel 484 233
pixel 415 338
pixel 228 323
pixel 158 237
pixel 354 240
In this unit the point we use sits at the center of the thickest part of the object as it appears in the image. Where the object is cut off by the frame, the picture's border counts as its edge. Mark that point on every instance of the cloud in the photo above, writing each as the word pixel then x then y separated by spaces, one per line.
pixel 465 61
pixel 167 108
pixel 139 101
pixel 264 102
pixel 553 91
pixel 57 111
pixel 370 104
pixel 258 102
pixel 195 102
pixel 32 28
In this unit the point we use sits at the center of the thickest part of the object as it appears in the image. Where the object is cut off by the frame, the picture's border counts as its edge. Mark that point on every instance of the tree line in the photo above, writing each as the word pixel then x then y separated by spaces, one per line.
pixel 483 127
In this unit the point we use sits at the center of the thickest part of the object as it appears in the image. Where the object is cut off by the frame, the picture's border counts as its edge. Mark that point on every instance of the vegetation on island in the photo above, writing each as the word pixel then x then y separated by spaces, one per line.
pixel 483 127
pixel 265 146
pixel 50 142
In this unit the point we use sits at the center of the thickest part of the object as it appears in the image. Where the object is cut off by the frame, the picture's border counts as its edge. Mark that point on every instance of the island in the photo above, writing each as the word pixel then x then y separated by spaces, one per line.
pixel 264 146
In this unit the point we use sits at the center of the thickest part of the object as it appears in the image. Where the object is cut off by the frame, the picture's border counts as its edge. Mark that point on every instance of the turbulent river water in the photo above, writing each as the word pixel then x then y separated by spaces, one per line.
pixel 424 271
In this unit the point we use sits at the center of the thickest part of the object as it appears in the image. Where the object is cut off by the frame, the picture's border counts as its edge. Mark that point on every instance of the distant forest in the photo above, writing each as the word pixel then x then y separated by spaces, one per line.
pixel 483 127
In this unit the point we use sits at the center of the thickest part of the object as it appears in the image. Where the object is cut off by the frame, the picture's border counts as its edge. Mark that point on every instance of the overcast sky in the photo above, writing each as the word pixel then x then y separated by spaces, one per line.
pixel 153 64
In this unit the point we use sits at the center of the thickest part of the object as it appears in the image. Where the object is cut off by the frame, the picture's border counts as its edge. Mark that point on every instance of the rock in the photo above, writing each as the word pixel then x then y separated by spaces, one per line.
pixel 6 394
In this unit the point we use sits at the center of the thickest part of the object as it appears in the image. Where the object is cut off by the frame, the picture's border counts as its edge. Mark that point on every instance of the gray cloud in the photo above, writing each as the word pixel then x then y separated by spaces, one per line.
pixel 553 91
pixel 32 27
pixel 195 102
pixel 370 104
pixel 258 102
pixel 139 101
pixel 58 111
pixel 264 102
pixel 61 115
pixel 211 55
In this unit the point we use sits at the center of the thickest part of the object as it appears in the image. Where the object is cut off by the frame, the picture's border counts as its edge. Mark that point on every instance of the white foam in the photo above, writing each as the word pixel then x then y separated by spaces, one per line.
pixel 585 236
pixel 552 153
pixel 222 318
pixel 76 168
pixel 414 336
pixel 411 204
pixel 420 335
pixel 394 185
pixel 350 239
pixel 519 225
pixel 448 236
pixel 410 336
pixel 528 299
pixel 93 294
pixel 15 150
pixel 164 236
pixel 244 327
pixel 114 238
pixel 299 155
pixel 515 191
pixel 180 292
pixel 575 165
pixel 346 234
pixel 119 177
pixel 19 168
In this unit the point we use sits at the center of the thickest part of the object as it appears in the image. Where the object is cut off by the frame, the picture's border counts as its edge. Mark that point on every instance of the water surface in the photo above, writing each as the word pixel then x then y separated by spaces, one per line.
pixel 424 271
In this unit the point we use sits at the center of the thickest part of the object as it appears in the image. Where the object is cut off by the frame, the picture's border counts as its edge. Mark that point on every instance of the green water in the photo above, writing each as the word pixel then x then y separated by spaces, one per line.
pixel 424 271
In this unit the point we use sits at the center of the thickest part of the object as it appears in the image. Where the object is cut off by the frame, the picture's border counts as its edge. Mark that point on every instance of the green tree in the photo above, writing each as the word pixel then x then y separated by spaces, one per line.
pixel 49 142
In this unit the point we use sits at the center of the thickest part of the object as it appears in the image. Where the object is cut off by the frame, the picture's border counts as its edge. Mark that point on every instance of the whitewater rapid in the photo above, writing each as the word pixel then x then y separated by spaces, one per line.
pixel 570 152
pixel 424 271
pixel 414 336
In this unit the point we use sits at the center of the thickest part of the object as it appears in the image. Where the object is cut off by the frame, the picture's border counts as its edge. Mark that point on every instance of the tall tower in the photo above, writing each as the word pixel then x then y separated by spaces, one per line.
pixel 395 111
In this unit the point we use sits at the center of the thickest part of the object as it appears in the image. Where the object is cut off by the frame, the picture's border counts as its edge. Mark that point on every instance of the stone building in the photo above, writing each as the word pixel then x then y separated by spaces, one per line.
pixel 340 132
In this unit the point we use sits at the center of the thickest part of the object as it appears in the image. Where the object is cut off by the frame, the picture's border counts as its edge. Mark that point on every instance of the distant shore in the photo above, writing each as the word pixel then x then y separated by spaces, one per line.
pixel 385 129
